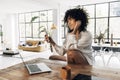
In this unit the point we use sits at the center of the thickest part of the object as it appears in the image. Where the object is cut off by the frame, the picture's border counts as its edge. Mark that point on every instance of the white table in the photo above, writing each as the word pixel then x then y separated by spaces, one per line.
pixel 103 46
pixel 7 61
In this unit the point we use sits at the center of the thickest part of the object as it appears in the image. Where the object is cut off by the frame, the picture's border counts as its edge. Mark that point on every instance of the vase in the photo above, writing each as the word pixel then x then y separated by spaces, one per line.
pixel 99 41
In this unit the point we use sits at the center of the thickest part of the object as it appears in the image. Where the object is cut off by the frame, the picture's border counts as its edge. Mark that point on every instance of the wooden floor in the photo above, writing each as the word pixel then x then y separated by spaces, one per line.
pixel 19 72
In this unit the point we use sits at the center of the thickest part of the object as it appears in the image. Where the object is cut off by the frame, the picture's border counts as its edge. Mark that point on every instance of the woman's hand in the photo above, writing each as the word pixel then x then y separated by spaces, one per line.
pixel 49 40
pixel 78 23
pixel 46 38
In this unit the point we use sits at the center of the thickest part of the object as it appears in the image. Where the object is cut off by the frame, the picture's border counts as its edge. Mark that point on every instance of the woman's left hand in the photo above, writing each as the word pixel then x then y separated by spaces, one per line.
pixel 49 40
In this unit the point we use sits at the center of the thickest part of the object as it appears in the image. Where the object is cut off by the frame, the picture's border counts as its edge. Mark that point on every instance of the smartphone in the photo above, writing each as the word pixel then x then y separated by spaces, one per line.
pixel 78 23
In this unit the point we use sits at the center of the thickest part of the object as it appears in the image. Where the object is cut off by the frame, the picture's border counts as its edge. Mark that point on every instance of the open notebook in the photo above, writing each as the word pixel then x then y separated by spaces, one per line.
pixel 36 68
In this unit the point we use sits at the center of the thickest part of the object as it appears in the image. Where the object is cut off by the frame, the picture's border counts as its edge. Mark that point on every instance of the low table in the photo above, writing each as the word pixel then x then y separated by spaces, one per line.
pixel 19 71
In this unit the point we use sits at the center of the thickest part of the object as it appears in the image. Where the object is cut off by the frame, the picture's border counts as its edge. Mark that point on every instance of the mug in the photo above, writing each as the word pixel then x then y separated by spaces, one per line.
pixel 65 73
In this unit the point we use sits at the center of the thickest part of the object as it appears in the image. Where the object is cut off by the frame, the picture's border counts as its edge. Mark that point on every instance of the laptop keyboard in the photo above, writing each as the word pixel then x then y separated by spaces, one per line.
pixel 34 68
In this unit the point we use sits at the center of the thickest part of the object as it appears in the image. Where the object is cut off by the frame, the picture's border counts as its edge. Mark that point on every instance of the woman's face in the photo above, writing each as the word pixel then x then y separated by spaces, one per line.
pixel 71 23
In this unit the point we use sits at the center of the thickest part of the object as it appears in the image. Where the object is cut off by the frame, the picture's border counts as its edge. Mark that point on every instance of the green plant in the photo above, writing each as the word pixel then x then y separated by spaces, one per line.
pixel 48 32
pixel 43 28
pixel 39 29
pixel 101 35
pixel 34 18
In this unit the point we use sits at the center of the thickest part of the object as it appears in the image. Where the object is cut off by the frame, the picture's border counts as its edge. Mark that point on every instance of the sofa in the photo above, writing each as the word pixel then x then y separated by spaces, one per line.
pixel 32 45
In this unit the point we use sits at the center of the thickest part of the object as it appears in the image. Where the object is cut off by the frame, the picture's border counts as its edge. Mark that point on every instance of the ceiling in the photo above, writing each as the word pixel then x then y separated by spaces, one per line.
pixel 13 6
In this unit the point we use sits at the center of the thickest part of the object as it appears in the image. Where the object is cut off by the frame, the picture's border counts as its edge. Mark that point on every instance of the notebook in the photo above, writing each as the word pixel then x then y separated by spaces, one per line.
pixel 37 68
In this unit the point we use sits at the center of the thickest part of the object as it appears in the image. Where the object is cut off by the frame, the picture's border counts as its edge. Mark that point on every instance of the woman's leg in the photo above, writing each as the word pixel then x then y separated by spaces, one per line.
pixel 57 57
pixel 76 57
pixel 73 56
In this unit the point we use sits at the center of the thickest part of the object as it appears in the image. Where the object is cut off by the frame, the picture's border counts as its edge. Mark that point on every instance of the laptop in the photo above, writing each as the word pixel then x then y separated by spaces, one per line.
pixel 36 68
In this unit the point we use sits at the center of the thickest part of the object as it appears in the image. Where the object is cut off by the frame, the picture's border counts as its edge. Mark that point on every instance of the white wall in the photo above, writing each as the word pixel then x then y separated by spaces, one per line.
pixel 10 30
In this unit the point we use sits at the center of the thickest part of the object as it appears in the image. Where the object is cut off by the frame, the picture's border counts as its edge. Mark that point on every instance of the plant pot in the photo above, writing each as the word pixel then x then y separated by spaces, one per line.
pixel 99 41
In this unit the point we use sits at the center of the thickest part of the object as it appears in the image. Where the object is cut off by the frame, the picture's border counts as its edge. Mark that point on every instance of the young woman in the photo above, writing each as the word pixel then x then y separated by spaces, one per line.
pixel 78 41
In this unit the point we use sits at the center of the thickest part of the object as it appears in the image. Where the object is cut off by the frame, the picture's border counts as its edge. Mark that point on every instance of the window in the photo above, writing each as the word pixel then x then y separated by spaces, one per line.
pixel 101 25
pixel 104 16
pixel 28 30
pixel 114 27
pixel 115 20
pixel 1 34
pixel 90 10
pixel 115 9
pixel 91 26
pixel 102 10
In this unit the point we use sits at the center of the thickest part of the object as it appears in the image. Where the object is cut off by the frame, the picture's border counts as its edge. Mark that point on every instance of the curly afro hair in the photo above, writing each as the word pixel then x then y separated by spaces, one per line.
pixel 78 14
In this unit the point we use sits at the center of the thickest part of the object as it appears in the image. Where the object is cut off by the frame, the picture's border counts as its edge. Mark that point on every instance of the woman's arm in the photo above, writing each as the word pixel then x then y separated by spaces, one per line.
pixel 59 49
pixel 84 40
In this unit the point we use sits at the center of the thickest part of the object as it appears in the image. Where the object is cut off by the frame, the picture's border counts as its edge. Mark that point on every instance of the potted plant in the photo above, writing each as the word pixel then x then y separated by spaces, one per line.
pixel 100 37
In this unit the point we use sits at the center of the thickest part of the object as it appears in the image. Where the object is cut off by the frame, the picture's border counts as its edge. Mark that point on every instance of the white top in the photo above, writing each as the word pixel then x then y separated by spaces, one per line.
pixel 83 44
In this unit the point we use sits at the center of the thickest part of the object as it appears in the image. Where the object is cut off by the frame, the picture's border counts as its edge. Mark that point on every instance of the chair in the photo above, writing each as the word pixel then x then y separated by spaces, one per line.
pixel 97 51
pixel 114 53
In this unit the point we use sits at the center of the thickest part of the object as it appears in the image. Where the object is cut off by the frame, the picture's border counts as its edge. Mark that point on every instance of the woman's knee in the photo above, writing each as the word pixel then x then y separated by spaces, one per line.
pixel 76 57
pixel 70 53
pixel 73 53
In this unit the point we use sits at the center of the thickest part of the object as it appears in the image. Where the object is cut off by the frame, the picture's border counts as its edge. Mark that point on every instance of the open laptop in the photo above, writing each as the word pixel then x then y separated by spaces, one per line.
pixel 36 68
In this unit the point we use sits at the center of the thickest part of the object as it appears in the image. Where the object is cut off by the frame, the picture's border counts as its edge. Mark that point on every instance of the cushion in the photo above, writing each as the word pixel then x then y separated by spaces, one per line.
pixel 22 43
pixel 33 42
pixel 39 43
pixel 29 44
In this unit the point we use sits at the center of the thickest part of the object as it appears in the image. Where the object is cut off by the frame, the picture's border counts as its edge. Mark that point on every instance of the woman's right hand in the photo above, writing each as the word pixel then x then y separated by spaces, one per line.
pixel 49 40
pixel 78 23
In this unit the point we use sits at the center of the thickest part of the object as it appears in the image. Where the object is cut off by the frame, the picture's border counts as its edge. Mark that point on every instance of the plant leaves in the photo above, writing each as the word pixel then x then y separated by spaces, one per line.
pixel 34 18
pixel 40 27
pixel 101 35
pixel 44 30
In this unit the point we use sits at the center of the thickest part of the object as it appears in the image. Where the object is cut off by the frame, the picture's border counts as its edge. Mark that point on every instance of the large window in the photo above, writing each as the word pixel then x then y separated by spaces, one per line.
pixel 28 30
pixel 104 16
